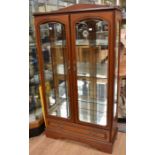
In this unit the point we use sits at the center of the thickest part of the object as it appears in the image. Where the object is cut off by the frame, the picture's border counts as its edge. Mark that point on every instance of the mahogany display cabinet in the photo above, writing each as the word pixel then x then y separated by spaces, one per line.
pixel 78 52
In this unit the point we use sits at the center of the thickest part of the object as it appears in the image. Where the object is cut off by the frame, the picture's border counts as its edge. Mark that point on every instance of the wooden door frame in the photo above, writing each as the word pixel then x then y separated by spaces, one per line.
pixel 63 19
pixel 108 16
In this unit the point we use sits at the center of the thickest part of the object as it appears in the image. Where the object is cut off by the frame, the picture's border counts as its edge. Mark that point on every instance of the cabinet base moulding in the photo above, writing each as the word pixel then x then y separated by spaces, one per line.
pixel 95 142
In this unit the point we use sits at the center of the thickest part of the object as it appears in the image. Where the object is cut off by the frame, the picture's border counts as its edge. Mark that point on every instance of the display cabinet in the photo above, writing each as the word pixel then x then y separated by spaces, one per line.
pixel 78 51
pixel 36 122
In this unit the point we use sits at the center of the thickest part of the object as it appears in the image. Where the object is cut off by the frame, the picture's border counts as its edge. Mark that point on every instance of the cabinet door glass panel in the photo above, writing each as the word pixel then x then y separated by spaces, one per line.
pixel 92 70
pixel 53 43
pixel 116 70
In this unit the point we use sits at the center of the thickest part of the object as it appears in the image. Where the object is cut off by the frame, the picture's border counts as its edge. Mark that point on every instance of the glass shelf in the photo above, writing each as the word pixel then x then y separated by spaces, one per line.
pixel 97 42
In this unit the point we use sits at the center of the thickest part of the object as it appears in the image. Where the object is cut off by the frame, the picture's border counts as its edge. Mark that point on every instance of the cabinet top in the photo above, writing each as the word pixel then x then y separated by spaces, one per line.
pixel 77 8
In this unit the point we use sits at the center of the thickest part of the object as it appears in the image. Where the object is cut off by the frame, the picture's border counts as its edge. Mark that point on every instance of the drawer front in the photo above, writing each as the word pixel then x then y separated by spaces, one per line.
pixel 80 130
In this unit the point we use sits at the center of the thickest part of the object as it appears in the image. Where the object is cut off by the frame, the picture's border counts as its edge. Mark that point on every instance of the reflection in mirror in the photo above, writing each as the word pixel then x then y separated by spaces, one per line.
pixel 55 68
pixel 92 70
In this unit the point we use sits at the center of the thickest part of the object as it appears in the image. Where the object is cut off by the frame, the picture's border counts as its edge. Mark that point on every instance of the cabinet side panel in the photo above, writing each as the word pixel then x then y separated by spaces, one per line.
pixel 117 25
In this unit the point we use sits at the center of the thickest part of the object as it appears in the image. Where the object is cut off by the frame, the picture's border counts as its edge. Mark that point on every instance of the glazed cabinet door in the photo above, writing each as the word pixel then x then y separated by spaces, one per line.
pixel 54 56
pixel 91 52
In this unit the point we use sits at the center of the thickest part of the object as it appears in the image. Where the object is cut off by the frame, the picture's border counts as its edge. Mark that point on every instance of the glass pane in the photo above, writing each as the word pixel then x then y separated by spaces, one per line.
pixel 92 70
pixel 55 68
pixel 116 69
pixel 35 112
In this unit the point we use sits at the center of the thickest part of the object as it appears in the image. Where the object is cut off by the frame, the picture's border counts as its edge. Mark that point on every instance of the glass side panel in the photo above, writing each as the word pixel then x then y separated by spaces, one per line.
pixel 116 69
pixel 92 70
pixel 55 68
